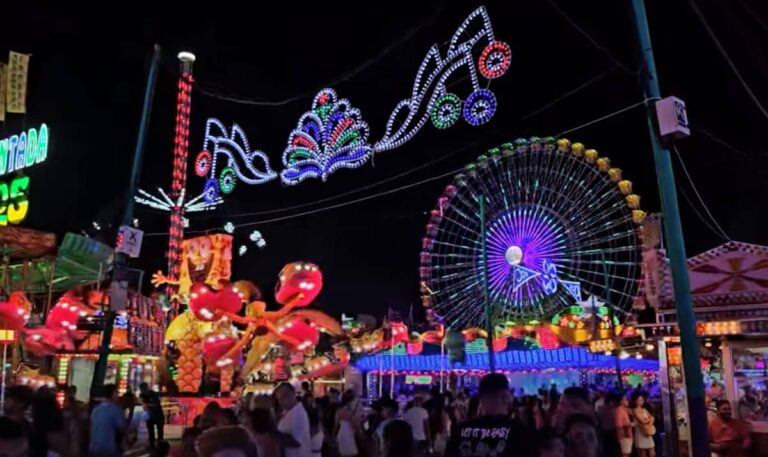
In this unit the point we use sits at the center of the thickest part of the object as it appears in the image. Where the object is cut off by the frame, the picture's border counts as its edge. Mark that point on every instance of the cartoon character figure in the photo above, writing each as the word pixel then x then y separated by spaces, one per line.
pixel 204 259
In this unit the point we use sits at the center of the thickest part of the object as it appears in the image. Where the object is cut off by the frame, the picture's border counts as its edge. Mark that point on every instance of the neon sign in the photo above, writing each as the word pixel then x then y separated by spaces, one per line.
pixel 17 153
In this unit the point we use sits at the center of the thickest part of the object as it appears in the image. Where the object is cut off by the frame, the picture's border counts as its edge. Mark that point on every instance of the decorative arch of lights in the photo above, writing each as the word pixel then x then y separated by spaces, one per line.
pixel 332 135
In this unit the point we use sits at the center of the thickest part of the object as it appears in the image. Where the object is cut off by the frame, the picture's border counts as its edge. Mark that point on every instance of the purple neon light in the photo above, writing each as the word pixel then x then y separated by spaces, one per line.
pixel 539 238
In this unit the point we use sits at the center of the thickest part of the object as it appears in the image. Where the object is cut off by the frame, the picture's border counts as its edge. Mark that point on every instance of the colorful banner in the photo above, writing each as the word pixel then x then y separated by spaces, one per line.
pixel 16 96
pixel 3 83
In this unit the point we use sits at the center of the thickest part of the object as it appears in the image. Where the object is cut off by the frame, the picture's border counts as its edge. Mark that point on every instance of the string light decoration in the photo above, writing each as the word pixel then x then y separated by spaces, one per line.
pixel 332 134
pixel 233 147
pixel 329 137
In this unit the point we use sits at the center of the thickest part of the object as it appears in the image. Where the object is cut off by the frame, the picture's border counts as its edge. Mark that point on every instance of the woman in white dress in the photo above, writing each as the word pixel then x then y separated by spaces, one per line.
pixel 345 429
pixel 644 428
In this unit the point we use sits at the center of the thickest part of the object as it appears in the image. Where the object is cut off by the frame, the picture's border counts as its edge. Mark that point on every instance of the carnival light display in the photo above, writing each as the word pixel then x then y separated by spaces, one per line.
pixel 559 219
pixel 333 135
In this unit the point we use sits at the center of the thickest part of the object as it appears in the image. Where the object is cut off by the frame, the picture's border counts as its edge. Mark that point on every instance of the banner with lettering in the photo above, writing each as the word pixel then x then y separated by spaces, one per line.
pixel 16 96
pixel 3 75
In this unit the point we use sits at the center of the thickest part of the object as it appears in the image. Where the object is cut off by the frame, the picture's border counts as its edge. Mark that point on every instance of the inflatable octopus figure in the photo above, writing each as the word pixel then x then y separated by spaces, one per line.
pixel 206 333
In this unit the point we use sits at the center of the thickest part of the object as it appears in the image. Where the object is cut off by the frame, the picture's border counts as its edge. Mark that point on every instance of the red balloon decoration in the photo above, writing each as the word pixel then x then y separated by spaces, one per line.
pixel 305 333
pixel 215 345
pixel 207 305
pixel 415 348
pixel 12 317
pixel 46 341
pixel 300 283
pixel 65 314
pixel 499 344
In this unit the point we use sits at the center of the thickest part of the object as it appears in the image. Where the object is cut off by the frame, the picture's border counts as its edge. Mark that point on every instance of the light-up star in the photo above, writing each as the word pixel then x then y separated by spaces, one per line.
pixel 165 203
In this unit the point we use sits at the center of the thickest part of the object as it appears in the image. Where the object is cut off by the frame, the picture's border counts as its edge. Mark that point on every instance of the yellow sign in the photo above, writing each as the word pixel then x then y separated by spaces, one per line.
pixel 3 83
pixel 16 96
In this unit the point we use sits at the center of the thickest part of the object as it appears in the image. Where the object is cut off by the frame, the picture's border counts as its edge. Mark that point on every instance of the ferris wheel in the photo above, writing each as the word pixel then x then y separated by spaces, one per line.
pixel 561 224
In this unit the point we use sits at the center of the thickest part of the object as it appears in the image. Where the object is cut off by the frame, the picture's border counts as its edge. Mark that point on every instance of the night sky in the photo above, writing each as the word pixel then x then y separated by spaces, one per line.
pixel 89 67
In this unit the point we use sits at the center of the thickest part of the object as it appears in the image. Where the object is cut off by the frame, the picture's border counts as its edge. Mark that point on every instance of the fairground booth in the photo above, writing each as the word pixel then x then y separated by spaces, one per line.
pixel 730 296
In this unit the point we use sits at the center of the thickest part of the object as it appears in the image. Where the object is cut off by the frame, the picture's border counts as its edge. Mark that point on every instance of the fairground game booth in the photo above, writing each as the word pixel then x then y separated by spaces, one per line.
pixel 730 295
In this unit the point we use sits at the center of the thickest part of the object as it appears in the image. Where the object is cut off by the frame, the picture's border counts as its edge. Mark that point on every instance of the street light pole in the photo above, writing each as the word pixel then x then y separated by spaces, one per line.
pixel 119 270
pixel 486 288
pixel 694 383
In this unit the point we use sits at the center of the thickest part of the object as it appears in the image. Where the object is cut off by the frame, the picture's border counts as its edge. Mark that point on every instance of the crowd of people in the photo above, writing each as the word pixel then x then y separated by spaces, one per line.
pixel 494 421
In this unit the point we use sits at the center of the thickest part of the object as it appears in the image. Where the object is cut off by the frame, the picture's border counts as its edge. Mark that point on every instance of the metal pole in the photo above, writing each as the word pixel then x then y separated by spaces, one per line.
pixel 694 383
pixel 442 363
pixel 486 291
pixel 100 371
pixel 392 368
pixel 2 388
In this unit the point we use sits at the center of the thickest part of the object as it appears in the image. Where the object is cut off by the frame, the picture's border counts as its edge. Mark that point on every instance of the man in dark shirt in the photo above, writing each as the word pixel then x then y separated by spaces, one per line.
pixel 493 433
pixel 156 418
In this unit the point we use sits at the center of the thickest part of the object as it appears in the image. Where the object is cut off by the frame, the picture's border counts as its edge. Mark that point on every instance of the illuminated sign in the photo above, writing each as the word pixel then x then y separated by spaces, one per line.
pixel 421 380
pixel 17 153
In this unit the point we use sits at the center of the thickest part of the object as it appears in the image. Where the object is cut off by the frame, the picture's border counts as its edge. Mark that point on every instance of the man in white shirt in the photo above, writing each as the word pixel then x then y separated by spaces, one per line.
pixel 418 418
pixel 294 421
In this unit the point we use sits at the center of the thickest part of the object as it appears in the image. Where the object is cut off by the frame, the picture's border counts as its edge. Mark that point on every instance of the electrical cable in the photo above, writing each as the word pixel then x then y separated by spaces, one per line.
pixel 701 217
pixel 698 195
pixel 754 15
pixel 327 208
pixel 589 37
pixel 723 52
pixel 607 116
pixel 405 37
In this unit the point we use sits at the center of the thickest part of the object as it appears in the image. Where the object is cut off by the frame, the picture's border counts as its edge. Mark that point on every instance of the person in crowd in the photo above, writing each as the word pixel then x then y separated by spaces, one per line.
pixel 155 415
pixel 75 413
pixel 264 431
pixel 293 421
pixel 316 434
pixel 14 438
pixel 549 444
pixel 461 406
pixel 581 436
pixel 728 436
pixel 644 428
pixel 418 418
pixel 575 400
pixel 226 441
pixel 18 399
pixel 189 440
pixel 535 417
pixel 47 425
pixel 493 431
pixel 107 425
pixel 346 427
pixel 624 427
pixel 606 416
pixel 389 409
pixel 135 417
pixel 749 406
pixel 439 424
pixel 398 439
pixel 163 449
pixel 213 415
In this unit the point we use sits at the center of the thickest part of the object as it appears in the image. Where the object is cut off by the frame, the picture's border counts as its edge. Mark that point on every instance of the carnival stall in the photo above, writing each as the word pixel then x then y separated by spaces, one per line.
pixel 729 285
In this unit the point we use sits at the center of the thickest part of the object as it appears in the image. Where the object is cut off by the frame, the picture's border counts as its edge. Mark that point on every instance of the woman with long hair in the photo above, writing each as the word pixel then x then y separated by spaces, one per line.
pixel 644 428
pixel 346 427
pixel 264 431
pixel 439 424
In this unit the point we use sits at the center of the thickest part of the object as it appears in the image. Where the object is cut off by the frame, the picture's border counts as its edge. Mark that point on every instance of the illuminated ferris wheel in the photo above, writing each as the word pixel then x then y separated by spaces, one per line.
pixel 561 223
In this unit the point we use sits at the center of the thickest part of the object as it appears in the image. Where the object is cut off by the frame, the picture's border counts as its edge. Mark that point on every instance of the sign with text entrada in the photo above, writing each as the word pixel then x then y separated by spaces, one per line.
pixel 18 152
